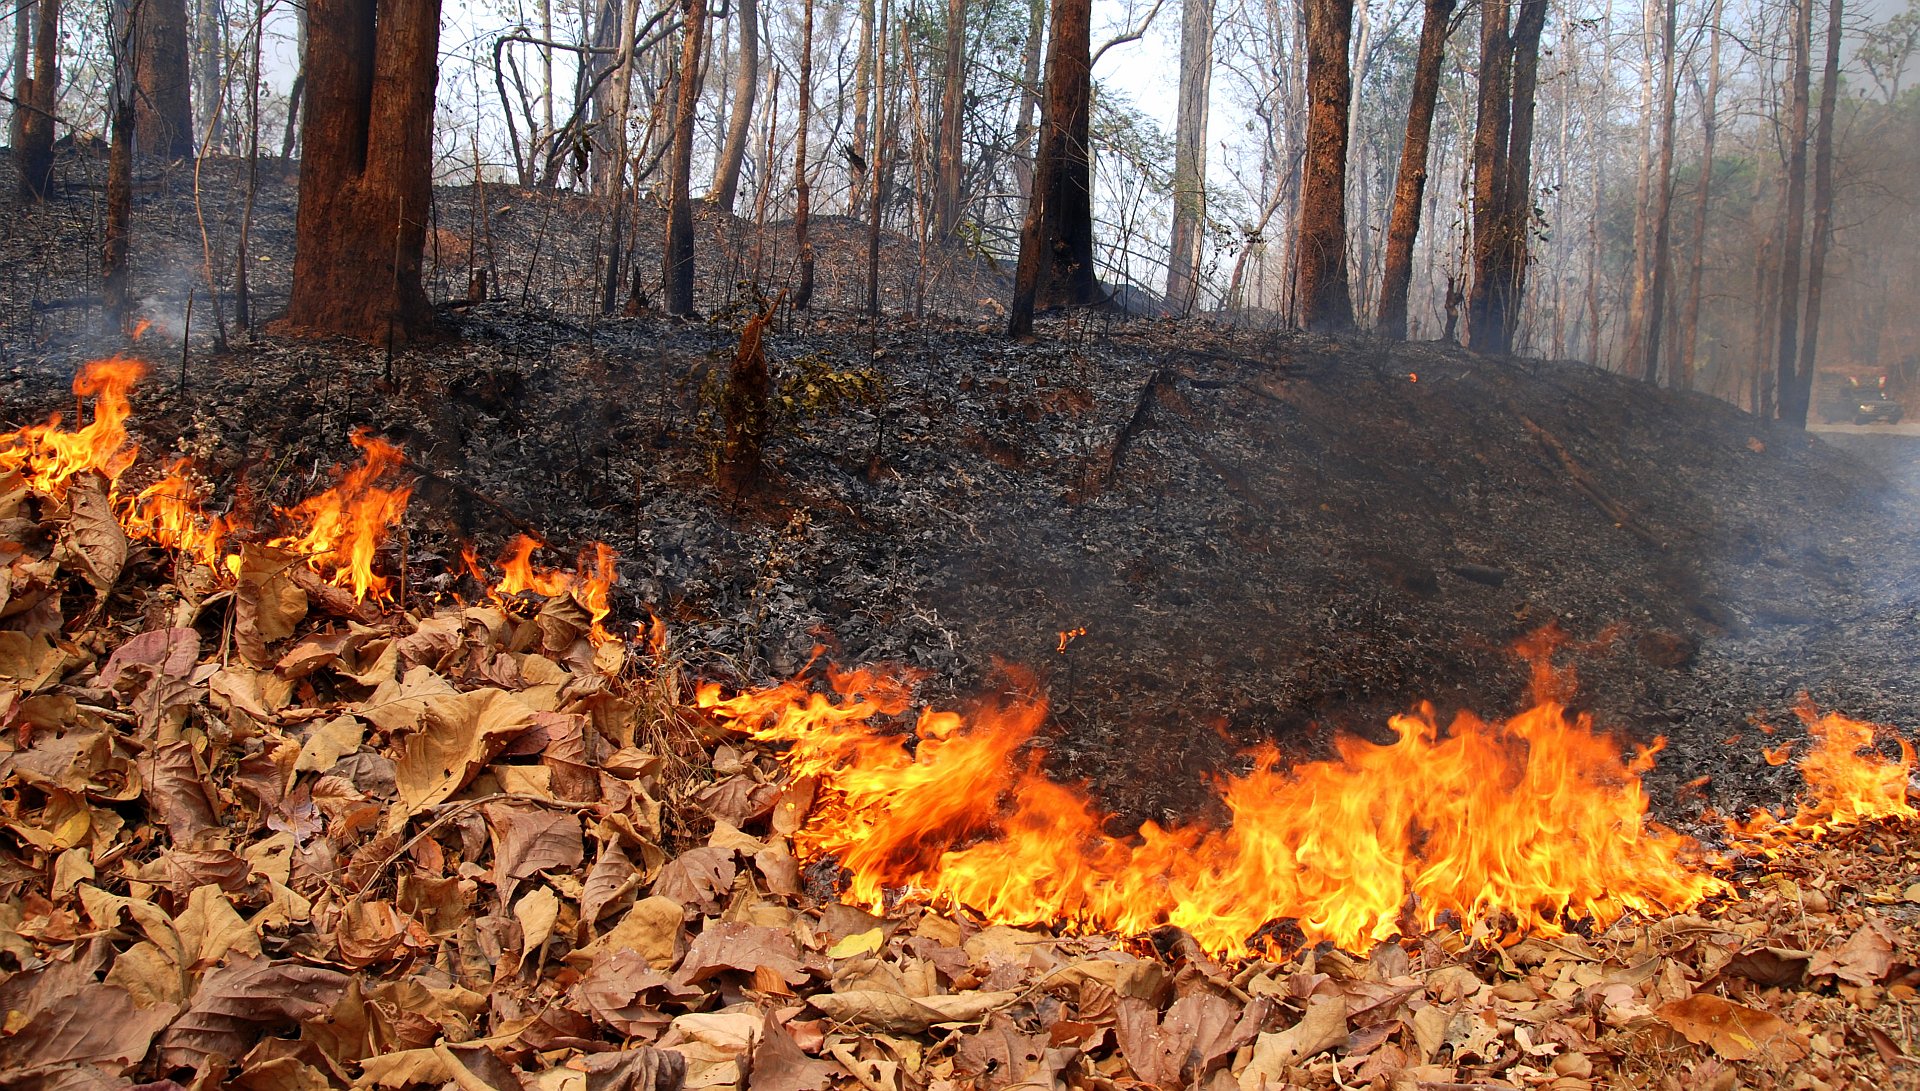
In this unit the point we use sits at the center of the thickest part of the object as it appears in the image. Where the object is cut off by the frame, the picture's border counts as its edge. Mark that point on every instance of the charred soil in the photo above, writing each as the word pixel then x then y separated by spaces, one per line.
pixel 1264 536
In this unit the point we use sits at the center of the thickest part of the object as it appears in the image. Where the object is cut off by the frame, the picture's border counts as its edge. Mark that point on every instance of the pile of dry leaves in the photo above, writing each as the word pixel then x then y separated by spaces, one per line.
pixel 257 837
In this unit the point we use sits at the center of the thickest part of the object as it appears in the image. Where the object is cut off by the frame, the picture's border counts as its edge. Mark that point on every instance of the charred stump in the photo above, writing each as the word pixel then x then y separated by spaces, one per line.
pixel 743 406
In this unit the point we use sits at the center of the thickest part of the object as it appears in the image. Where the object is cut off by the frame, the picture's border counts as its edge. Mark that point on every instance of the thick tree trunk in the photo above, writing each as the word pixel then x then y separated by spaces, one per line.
pixel 1403 228
pixel 22 73
pixel 163 108
pixel 209 48
pixel 33 153
pixel 1486 303
pixel 862 101
pixel 1656 304
pixel 1683 374
pixel 947 176
pixel 116 288
pixel 677 258
pixel 876 164
pixel 1056 241
pixel 296 97
pixel 1517 193
pixel 366 175
pixel 1190 156
pixel 746 84
pixel 802 186
pixel 1822 235
pixel 1321 263
pixel 1793 407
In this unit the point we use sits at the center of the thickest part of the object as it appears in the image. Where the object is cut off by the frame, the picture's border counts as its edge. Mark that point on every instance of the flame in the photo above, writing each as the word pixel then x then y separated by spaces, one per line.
pixel 590 583
pixel 49 455
pixel 172 512
pixel 346 525
pixel 1528 824
pixel 1850 781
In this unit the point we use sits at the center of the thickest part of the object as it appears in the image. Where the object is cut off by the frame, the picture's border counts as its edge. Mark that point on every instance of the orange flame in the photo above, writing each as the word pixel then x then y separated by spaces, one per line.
pixel 172 512
pixel 590 583
pixel 49 455
pixel 346 525
pixel 1528 824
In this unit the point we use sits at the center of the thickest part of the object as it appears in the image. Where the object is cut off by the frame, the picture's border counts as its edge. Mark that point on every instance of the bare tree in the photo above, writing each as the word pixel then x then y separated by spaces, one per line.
pixel 1822 235
pixel 33 151
pixel 953 82
pixel 209 50
pixel 1502 170
pixel 802 179
pixel 1656 304
pixel 1190 156
pixel 1682 377
pixel 1320 280
pixel 1403 228
pixel 746 83
pixel 366 175
pixel 677 274
pixel 1056 241
pixel 1793 214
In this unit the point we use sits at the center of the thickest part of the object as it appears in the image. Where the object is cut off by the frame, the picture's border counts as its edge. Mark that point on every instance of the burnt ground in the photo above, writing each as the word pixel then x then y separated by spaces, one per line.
pixel 1266 536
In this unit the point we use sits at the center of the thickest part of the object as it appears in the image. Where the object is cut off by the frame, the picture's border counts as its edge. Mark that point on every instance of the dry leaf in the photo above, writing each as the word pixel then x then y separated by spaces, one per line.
pixel 896 1014
pixel 267 601
pixel 459 733
pixel 92 536
pixel 730 945
pixel 1863 959
pixel 1323 1027
pixel 1734 1031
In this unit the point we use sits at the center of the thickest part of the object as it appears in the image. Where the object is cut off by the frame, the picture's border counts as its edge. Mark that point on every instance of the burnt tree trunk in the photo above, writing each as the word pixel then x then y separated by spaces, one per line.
pixel 366 175
pixel 1822 235
pixel 209 49
pixel 677 272
pixel 746 85
pixel 1190 156
pixel 122 52
pixel 1409 188
pixel 1056 240
pixel 947 175
pixel 1321 258
pixel 1793 408
pixel 1486 319
pixel 802 184
pixel 1656 305
pixel 1529 24
pixel 33 154
pixel 163 107
pixel 1030 58
pixel 1683 372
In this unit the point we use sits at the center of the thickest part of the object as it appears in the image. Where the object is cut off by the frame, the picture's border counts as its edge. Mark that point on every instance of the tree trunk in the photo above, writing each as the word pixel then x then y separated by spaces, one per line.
pixel 23 14
pixel 1486 317
pixel 1321 265
pixel 862 101
pixel 123 47
pixel 34 152
pixel 876 164
pixel 367 172
pixel 1702 201
pixel 1517 192
pixel 1822 235
pixel 209 49
pixel 1056 241
pixel 1190 157
pixel 242 296
pixel 614 164
pixel 746 84
pixel 1023 162
pixel 298 95
pixel 1650 345
pixel 163 109
pixel 677 273
pixel 1403 227
pixel 1793 407
pixel 947 176
pixel 802 186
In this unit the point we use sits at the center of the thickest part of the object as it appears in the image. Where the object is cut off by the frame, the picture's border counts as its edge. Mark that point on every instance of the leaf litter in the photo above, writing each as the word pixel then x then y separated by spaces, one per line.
pixel 265 838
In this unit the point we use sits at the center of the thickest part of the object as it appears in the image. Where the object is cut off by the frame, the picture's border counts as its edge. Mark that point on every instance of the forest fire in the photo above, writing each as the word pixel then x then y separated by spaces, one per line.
pixel 1532 824
pixel 340 530
pixel 1538 823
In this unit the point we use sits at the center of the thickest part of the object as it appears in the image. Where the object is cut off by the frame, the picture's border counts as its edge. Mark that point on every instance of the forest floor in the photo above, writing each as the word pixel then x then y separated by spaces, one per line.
pixel 1194 537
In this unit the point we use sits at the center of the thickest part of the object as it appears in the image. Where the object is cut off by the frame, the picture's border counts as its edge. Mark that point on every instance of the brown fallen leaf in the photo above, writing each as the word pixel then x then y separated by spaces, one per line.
pixel 96 1024
pixel 268 603
pixel 697 878
pixel 459 733
pixel 528 840
pixel 896 1014
pixel 237 1002
pixel 779 1065
pixel 731 945
pixel 1323 1027
pixel 92 537
pixel 643 1069
pixel 1863 959
pixel 1734 1031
